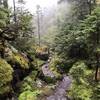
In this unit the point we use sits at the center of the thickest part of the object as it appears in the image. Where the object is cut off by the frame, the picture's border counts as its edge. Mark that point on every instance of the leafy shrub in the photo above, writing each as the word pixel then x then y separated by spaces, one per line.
pixel 54 66
pixel 29 83
pixel 39 62
pixel 81 89
pixel 49 79
pixel 78 70
pixel 81 92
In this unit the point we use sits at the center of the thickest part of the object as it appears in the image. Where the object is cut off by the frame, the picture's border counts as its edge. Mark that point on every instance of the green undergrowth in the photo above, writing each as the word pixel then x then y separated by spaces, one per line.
pixel 29 82
pixel 53 66
pixel 39 62
pixel 83 85
pixel 29 95
pixel 28 88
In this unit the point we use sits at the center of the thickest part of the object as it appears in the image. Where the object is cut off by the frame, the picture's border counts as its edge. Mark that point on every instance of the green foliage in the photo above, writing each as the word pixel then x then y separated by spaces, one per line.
pixel 28 88
pixel 28 95
pixel 29 83
pixel 6 72
pixel 54 66
pixel 25 21
pixel 39 62
pixel 80 92
pixel 49 80
pixel 25 40
pixel 90 26
pixel 74 37
pixel 78 40
pixel 80 88
pixel 96 92
pixel 3 17
pixel 31 51
pixel 62 43
pixel 78 70
pixel 25 32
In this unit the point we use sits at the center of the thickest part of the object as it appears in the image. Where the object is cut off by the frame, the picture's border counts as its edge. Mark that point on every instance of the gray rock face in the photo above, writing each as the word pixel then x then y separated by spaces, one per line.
pixel 47 71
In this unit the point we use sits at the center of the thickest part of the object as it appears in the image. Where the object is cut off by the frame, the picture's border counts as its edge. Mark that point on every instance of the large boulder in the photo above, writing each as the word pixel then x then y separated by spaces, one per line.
pixel 42 53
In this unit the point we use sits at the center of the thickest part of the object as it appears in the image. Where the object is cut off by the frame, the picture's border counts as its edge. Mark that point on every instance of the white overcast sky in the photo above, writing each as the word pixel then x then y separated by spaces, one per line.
pixel 31 4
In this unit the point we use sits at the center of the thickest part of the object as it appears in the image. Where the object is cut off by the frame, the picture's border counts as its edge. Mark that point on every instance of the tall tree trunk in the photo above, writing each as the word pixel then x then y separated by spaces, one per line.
pixel 15 19
pixel 97 53
pixel 97 67
pixel 38 23
pixel 90 7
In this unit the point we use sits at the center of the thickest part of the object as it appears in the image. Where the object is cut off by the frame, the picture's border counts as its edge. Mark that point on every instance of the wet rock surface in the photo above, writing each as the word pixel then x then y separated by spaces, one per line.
pixel 60 91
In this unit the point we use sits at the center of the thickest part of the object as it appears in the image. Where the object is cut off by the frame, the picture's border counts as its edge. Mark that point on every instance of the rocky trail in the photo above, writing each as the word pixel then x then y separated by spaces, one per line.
pixel 61 88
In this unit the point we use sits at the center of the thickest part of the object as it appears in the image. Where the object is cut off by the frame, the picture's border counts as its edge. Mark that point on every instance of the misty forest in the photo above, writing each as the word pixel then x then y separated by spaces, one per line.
pixel 50 53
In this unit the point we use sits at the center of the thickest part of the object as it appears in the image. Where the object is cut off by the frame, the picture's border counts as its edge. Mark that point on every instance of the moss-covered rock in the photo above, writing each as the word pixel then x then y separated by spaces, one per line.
pixel 6 72
pixel 21 60
pixel 42 52
pixel 14 57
